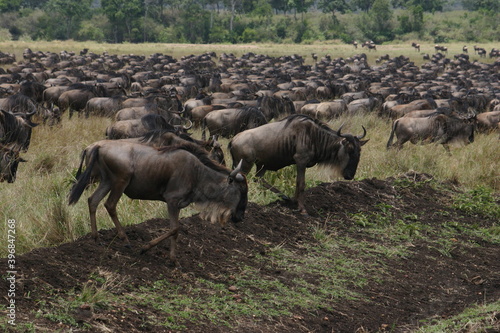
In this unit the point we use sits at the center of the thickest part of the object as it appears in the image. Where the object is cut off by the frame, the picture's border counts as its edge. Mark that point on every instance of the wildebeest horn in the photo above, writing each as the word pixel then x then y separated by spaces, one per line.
pixel 339 130
pixel 236 171
pixel 29 114
pixel 190 125
pixel 364 133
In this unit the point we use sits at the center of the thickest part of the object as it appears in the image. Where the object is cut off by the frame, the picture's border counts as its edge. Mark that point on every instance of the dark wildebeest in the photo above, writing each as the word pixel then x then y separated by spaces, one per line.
pixel 104 106
pixel 229 122
pixel 441 129
pixel 299 140
pixel 15 130
pixel 177 175
pixel 133 128
pixel 9 161
pixel 275 107
pixel 19 104
pixel 76 99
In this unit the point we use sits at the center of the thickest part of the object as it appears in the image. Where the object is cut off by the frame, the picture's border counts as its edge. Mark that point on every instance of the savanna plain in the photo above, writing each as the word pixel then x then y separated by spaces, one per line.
pixel 410 245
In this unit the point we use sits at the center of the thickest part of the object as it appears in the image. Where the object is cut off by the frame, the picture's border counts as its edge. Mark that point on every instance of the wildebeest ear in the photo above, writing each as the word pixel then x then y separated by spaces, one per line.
pixel 362 142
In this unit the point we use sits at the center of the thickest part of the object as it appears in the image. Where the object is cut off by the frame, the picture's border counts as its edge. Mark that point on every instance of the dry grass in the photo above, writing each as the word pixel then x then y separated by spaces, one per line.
pixel 334 48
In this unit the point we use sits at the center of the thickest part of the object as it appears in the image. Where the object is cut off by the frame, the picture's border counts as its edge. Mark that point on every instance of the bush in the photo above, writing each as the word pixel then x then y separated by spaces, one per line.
pixel 249 35
pixel 89 31
pixel 5 35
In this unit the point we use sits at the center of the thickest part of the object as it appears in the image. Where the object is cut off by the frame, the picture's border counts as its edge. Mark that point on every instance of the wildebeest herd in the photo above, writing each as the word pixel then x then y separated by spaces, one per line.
pixel 271 108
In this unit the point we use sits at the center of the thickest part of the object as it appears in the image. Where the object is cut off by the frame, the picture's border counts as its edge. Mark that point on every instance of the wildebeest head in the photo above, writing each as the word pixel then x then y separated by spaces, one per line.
pixel 350 153
pixel 9 161
pixel 231 203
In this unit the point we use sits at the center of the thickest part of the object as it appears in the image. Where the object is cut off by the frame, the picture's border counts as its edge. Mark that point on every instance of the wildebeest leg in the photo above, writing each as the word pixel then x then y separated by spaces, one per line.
pixel 260 174
pixel 110 204
pixel 93 201
pixel 300 187
pixel 173 213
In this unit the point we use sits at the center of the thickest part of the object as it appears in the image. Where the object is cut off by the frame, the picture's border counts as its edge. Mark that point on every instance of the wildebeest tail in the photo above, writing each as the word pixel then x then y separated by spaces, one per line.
pixel 83 179
pixel 394 125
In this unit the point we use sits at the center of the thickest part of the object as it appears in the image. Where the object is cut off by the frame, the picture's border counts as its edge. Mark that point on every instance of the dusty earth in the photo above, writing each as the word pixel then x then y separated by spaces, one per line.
pixel 423 285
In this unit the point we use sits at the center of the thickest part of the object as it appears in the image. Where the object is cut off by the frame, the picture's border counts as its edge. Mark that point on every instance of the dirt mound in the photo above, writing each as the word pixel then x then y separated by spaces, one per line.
pixel 422 284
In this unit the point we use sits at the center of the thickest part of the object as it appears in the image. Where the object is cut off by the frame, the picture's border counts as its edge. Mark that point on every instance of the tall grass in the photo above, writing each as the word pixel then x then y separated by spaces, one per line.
pixel 38 203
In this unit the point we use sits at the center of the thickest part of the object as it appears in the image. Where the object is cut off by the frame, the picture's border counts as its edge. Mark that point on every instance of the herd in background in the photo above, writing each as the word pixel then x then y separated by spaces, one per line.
pixel 273 109
pixel 447 98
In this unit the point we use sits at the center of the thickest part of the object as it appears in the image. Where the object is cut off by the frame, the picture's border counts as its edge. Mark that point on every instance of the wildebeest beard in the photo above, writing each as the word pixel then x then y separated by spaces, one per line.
pixel 211 206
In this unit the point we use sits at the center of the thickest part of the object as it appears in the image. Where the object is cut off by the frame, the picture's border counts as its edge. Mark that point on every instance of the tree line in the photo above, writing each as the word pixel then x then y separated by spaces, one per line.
pixel 245 21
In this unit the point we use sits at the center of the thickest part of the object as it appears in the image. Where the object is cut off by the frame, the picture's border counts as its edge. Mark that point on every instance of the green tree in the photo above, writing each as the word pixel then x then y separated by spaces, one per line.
pixel 427 5
pixel 195 23
pixel 489 5
pixel 364 5
pixel 300 6
pixel 411 21
pixel 262 9
pixel 9 5
pixel 71 12
pixel 123 15
pixel 31 3
pixel 280 5
pixel 377 23
pixel 333 6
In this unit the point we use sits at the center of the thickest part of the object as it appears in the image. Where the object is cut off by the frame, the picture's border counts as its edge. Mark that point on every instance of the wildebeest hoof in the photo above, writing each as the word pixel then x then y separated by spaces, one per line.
pixel 128 246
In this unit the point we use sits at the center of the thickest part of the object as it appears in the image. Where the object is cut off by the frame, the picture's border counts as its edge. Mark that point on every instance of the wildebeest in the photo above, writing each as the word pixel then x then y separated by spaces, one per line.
pixel 104 106
pixel 441 129
pixel 177 175
pixel 133 128
pixel 9 161
pixel 76 99
pixel 488 121
pixel 370 45
pixel 228 122
pixel 299 140
pixel 15 130
pixel 325 110
pixel 398 111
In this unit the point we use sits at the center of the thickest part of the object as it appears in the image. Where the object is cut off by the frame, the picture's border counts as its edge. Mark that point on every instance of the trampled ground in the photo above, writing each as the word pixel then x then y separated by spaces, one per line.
pixel 399 281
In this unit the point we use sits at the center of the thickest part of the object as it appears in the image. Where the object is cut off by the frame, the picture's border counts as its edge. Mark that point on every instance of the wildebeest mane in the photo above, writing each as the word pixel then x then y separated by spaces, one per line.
pixel 20 103
pixel 325 140
pixel 200 153
pixel 249 114
pixel 154 121
pixel 454 126
pixel 303 117
pixel 11 130
pixel 80 86
pixel 158 133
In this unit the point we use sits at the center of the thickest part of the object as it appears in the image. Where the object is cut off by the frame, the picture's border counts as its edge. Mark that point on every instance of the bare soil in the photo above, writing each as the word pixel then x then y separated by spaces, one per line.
pixel 423 285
